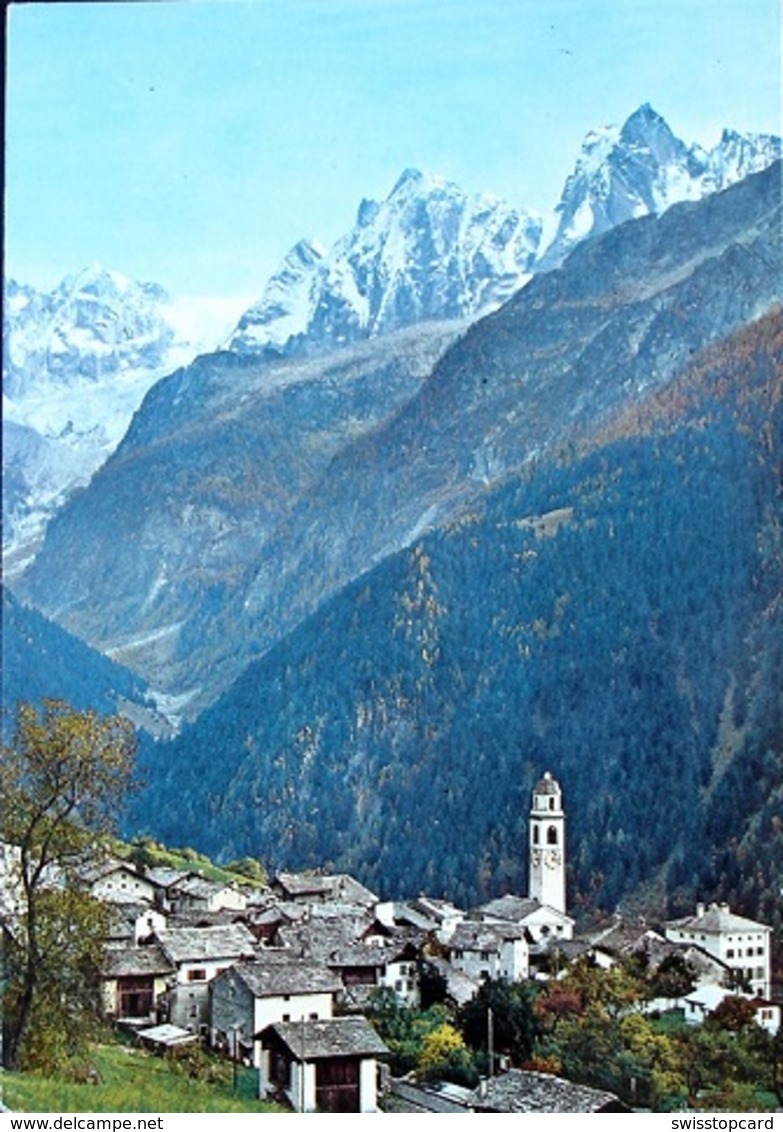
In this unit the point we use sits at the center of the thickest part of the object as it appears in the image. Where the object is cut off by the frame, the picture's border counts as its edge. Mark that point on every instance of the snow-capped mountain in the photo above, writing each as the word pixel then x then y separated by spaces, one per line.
pixel 428 251
pixel 641 168
pixel 78 361
pixel 76 365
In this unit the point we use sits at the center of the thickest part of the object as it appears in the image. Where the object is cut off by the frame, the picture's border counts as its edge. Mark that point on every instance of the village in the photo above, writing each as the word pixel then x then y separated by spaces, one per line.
pixel 281 976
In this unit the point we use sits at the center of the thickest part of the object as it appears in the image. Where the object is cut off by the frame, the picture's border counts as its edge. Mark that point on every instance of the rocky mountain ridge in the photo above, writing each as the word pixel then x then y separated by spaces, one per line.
pixel 277 491
pixel 77 362
pixel 431 251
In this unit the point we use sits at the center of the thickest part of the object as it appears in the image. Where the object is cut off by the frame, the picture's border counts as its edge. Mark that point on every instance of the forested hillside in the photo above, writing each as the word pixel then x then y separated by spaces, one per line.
pixel 41 660
pixel 612 615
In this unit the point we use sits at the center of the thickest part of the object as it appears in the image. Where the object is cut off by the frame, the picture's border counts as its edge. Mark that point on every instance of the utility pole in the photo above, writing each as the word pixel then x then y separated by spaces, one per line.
pixel 234 1059
pixel 491 1041
pixel 302 1071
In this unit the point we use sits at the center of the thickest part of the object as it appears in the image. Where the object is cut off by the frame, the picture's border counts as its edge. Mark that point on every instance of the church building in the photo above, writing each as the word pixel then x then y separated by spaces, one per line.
pixel 542 913
pixel 547 845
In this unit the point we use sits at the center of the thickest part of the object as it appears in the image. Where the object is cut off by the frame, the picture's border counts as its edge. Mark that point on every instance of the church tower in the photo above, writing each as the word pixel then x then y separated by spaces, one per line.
pixel 547 844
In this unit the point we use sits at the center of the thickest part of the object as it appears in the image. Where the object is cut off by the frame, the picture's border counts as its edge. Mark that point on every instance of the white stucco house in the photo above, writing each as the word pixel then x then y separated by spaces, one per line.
pixel 743 945
pixel 250 996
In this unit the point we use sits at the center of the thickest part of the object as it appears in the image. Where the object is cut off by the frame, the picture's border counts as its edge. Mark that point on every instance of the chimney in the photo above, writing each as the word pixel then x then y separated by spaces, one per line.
pixel 699 910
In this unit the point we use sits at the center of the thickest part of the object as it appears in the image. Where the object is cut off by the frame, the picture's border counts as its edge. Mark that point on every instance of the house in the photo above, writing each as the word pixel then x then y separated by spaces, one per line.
pixel 117 881
pixel 742 944
pixel 460 988
pixel 321 887
pixel 545 924
pixel 325 1066
pixel 134 979
pixel 357 965
pixel 195 894
pixel 441 916
pixel 701 1002
pixel 133 924
pixel 318 937
pixel 400 971
pixel 520 1090
pixel 198 955
pixel 250 996
pixel 489 951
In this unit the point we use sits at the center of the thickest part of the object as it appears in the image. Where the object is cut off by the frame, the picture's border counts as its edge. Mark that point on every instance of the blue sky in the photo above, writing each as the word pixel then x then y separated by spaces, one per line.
pixel 192 142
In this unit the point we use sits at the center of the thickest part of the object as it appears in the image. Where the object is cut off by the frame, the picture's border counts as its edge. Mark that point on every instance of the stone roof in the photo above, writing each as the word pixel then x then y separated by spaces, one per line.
pixel 203 918
pixel 123 962
pixel 509 907
pixel 197 886
pixel 406 915
pixel 521 1090
pixel 319 938
pixel 627 939
pixel 328 1037
pixel 434 909
pixel 717 919
pixel 460 988
pixel 471 936
pixel 265 980
pixel 164 875
pixel 93 871
pixel 358 955
pixel 229 941
pixel 338 887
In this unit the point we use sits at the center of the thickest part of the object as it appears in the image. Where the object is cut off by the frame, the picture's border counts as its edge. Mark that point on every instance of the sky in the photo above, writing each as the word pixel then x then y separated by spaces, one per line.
pixel 193 142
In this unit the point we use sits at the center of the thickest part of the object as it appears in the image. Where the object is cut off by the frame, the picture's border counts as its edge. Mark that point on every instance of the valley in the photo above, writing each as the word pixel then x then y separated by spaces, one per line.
pixel 451 503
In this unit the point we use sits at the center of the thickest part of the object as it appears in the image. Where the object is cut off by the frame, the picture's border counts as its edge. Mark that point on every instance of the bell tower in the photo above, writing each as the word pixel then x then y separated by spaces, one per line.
pixel 547 844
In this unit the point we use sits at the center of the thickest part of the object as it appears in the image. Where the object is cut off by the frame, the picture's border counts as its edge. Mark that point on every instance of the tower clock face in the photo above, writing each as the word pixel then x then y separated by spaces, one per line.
pixel 553 860
pixel 536 857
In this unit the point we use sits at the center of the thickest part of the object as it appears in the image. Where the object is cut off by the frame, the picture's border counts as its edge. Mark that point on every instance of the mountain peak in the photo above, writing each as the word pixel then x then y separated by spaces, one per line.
pixel 409 176
pixel 414 180
pixel 643 123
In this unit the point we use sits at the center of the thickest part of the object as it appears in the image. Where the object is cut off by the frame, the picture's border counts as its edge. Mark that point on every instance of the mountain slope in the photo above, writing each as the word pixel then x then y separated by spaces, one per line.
pixel 623 315
pixel 41 660
pixel 257 524
pixel 219 454
pixel 606 615
pixel 76 365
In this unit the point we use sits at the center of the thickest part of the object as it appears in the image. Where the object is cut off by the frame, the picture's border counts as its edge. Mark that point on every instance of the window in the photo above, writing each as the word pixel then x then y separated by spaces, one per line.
pixel 286 1017
pixel 535 835
pixel 314 1016
pixel 729 952
pixel 551 803
pixel 551 835
pixel 198 974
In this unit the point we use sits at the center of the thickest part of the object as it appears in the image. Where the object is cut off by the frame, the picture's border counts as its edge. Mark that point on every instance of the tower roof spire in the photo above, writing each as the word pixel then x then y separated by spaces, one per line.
pixel 547 785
